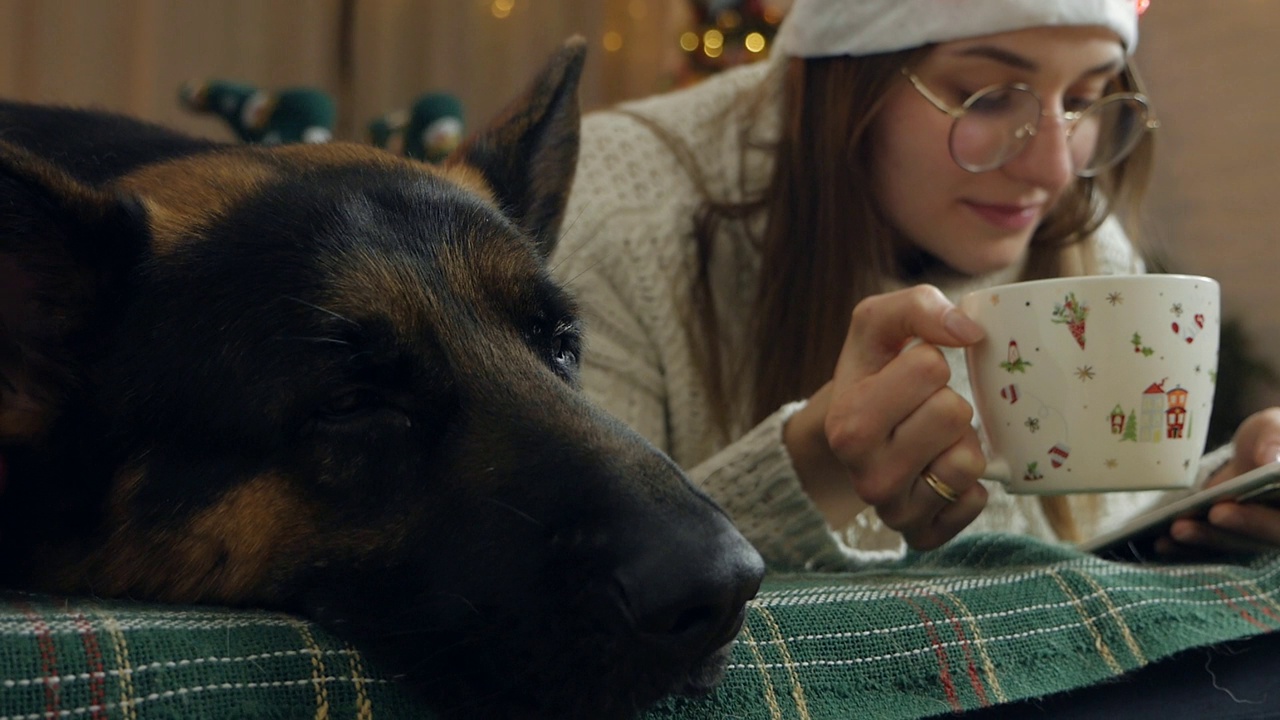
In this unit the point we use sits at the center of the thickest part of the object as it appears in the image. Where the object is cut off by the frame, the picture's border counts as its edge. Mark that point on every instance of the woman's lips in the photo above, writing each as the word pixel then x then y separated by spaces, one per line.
pixel 1006 217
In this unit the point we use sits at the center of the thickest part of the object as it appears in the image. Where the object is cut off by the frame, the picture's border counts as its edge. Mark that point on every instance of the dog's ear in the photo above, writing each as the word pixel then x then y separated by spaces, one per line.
pixel 65 248
pixel 529 152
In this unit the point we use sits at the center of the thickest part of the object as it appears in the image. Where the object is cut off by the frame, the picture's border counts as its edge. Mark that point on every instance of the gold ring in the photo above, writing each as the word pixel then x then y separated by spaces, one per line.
pixel 945 491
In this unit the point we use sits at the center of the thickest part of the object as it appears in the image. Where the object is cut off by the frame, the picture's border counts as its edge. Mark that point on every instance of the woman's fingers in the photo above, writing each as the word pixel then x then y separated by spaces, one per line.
pixel 1198 539
pixel 1256 441
pixel 883 324
pixel 1254 520
pixel 922 503
pixel 892 415
pixel 886 428
pixel 949 520
pixel 1231 528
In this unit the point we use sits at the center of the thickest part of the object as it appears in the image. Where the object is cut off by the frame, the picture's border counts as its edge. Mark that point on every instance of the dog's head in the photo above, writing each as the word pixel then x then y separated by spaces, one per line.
pixel 325 379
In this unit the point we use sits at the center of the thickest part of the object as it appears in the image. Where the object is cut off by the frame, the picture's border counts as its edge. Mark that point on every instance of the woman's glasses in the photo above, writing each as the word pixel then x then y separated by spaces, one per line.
pixel 995 124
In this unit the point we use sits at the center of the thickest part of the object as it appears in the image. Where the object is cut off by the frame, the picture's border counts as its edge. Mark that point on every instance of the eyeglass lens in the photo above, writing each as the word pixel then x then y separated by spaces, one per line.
pixel 998 122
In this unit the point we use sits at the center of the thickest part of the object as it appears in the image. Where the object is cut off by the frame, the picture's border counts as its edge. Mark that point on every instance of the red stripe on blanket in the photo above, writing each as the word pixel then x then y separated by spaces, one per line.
pixel 1252 597
pixel 48 660
pixel 97 673
pixel 1243 612
pixel 944 670
pixel 971 666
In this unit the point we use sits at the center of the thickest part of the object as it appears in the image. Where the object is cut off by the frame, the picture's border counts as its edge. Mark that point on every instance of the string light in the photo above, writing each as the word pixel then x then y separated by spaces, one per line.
pixel 728 33
pixel 502 8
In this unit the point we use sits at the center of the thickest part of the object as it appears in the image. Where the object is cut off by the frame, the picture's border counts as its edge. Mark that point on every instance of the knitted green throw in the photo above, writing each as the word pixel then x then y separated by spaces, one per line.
pixel 987 619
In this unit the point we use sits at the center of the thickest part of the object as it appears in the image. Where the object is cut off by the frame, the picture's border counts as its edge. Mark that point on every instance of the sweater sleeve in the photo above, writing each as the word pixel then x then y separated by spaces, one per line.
pixel 628 369
pixel 623 255
pixel 754 481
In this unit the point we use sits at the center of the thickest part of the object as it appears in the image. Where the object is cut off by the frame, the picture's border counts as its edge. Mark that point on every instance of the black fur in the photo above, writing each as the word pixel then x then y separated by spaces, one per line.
pixel 344 385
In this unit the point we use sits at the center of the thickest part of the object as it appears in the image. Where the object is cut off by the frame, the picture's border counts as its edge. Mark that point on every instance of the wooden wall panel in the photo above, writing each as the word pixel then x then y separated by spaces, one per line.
pixel 132 55
pixel 1212 76
pixel 403 49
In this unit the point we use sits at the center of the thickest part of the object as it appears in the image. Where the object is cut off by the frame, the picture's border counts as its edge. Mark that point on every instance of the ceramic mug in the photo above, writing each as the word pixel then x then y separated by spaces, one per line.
pixel 1099 383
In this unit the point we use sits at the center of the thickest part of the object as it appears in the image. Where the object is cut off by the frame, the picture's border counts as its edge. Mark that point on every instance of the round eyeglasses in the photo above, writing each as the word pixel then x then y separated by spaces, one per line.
pixel 991 127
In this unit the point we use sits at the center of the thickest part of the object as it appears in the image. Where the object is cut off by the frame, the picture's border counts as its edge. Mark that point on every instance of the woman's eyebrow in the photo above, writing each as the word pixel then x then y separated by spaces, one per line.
pixel 1019 62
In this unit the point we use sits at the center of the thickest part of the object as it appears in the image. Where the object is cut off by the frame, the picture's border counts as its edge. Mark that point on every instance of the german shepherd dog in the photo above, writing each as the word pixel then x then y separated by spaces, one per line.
pixel 336 382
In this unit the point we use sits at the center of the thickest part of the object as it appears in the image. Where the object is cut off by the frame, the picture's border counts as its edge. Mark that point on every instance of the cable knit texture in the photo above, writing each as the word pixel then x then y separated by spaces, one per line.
pixel 627 254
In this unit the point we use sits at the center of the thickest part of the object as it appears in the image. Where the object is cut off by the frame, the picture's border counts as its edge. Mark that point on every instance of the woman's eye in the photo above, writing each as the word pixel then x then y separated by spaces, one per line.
pixel 1078 104
pixel 996 101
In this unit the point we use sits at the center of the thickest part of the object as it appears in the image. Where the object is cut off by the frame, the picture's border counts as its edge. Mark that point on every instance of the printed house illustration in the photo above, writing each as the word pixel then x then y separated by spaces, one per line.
pixel 1117 420
pixel 1161 414
pixel 1151 414
pixel 1176 415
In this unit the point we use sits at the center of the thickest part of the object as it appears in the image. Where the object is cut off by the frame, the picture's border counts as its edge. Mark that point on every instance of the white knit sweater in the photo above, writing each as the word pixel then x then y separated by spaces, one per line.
pixel 627 251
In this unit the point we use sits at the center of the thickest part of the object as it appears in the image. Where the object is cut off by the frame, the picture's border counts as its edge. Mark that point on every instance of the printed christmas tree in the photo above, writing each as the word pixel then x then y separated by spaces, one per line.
pixel 1131 428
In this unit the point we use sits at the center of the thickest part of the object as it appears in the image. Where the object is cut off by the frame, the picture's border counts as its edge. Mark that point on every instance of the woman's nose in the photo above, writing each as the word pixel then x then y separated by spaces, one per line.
pixel 1046 161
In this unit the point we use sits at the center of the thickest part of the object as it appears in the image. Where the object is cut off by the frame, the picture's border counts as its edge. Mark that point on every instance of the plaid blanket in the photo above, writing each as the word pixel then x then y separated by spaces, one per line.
pixel 985 620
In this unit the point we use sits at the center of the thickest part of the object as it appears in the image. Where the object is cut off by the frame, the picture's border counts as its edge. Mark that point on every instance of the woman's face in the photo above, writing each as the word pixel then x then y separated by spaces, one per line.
pixel 981 222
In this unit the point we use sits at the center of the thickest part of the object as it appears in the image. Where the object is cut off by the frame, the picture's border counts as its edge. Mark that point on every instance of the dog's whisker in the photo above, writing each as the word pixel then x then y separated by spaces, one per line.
pixel 516 510
pixel 565 229
pixel 328 340
pixel 569 282
pixel 326 311
pixel 413 613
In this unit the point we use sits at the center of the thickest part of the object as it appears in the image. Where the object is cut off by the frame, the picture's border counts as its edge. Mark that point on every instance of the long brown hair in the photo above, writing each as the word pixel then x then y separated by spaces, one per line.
pixel 825 244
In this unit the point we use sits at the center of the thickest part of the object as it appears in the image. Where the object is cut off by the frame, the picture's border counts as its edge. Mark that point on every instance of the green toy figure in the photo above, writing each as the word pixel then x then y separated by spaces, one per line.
pixel 291 115
pixel 429 130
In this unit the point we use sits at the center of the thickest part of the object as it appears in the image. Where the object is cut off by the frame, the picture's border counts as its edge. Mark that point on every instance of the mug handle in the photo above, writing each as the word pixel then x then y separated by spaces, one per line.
pixel 997 470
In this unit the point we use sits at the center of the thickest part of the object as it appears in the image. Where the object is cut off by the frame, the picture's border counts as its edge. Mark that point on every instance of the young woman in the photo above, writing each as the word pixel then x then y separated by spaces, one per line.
pixel 766 263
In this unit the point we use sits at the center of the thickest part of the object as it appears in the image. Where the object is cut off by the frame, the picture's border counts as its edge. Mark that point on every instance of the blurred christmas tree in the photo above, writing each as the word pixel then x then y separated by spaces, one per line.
pixel 727 33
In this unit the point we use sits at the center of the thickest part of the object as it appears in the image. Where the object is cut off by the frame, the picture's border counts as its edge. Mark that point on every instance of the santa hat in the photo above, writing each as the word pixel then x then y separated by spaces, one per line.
pixel 823 28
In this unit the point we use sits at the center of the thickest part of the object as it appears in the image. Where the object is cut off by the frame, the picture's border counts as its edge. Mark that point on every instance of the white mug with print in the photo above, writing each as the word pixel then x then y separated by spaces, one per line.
pixel 1098 383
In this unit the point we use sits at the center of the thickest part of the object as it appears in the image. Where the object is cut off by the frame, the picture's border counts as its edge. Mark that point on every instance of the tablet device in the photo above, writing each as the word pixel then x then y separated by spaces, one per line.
pixel 1133 540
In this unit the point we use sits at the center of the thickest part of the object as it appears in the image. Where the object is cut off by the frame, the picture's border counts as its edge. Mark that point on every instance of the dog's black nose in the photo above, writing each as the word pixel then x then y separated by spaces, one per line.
pixel 687 591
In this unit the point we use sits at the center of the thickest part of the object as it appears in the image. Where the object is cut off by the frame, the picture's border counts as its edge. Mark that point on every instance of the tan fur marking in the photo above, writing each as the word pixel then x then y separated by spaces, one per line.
pixel 181 196
pixel 339 154
pixel 368 283
pixel 22 417
pixel 226 553
pixel 184 195
pixel 471 179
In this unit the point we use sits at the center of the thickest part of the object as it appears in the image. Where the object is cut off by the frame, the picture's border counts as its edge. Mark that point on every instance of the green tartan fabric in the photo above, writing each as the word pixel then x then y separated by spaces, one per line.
pixel 985 620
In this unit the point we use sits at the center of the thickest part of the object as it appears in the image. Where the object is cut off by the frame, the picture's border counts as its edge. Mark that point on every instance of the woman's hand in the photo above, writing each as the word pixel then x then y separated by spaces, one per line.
pixel 888 416
pixel 1233 527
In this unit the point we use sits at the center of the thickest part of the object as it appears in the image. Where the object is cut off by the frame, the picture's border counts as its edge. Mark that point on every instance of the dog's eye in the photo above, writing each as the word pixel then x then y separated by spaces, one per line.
pixel 564 350
pixel 561 341
pixel 350 404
